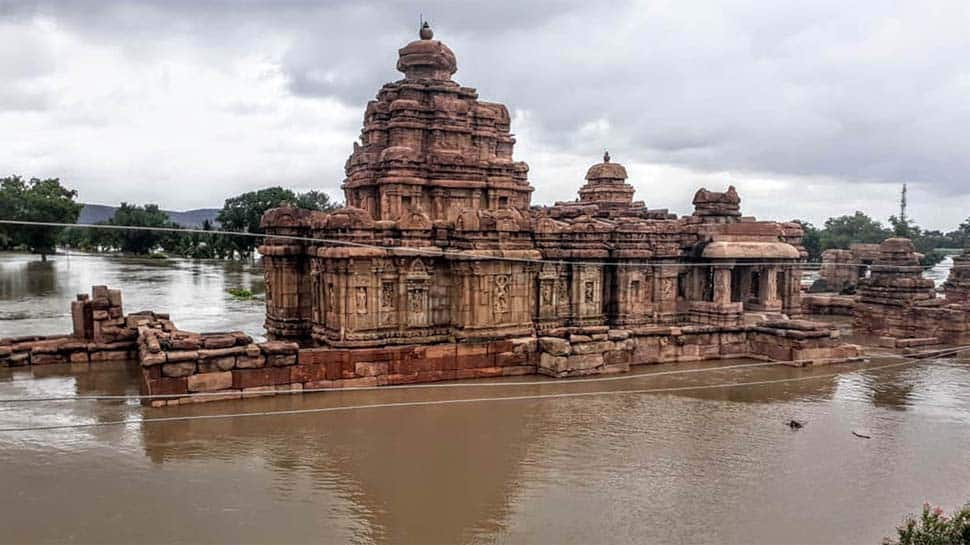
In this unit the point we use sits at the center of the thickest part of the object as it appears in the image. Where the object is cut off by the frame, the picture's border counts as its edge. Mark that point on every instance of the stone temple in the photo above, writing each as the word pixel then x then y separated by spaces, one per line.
pixel 440 268
pixel 439 243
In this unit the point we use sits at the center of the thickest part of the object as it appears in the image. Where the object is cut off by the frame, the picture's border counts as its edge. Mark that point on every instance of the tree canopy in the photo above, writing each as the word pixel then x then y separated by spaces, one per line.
pixel 242 213
pixel 35 200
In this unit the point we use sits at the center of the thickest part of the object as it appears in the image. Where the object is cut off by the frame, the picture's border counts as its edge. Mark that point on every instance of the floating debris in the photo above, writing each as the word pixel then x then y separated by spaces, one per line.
pixel 862 433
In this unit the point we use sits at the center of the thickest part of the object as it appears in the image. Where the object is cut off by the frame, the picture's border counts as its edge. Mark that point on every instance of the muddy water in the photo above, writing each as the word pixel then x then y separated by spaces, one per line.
pixel 35 296
pixel 692 466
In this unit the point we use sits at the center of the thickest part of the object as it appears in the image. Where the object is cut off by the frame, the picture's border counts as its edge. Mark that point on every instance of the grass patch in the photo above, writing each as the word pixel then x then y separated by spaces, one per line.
pixel 240 293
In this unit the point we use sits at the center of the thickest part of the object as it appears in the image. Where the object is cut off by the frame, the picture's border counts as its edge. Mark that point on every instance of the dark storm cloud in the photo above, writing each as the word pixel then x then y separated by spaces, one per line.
pixel 860 92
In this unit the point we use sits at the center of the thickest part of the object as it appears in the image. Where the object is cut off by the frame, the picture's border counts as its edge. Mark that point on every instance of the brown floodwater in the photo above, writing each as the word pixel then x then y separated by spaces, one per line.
pixel 710 465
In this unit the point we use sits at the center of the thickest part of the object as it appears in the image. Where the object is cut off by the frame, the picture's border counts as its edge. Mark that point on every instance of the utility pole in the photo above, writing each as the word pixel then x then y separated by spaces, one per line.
pixel 902 207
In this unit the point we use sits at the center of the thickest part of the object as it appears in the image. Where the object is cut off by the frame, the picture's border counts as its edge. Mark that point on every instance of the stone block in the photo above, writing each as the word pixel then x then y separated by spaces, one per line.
pixel 473 349
pixel 321 356
pixel 114 297
pixel 280 360
pixel 511 359
pixel 555 346
pixel 212 365
pixel 250 362
pixel 182 355
pixel 373 369
pixel 168 386
pixel 306 372
pixel 210 382
pixel 579 338
pixel 268 376
pixel 594 347
pixel 221 352
pixel 617 357
pixel 219 341
pixel 149 359
pixel 555 364
pixel 79 357
pixel 179 369
pixel 618 334
pixel 189 343
pixel 279 347
pixel 584 362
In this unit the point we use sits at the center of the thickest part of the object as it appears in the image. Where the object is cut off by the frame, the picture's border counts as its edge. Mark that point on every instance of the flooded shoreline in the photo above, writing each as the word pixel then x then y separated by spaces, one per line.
pixel 709 465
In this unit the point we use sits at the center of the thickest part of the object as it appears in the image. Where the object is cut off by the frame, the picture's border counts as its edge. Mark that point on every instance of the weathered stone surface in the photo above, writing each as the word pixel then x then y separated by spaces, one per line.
pixel 250 362
pixel 223 363
pixel 555 346
pixel 209 382
pixel 180 369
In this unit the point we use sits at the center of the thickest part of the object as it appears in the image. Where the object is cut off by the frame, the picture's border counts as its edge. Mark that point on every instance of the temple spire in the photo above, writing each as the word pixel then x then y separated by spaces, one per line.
pixel 606 156
pixel 426 33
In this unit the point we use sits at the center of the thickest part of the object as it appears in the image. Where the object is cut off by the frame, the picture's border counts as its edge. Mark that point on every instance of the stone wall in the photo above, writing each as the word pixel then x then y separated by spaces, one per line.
pixel 224 366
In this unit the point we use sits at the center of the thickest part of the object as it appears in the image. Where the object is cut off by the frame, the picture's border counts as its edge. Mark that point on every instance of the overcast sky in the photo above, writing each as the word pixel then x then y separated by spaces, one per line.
pixel 811 109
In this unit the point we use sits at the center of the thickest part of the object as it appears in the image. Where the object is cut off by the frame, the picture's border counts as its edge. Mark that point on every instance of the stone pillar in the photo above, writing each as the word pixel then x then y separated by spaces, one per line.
pixel 768 298
pixel 722 285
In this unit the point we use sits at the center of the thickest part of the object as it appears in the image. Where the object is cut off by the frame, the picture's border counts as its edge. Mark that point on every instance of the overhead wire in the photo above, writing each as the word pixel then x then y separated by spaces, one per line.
pixel 404 404
pixel 429 252
pixel 908 359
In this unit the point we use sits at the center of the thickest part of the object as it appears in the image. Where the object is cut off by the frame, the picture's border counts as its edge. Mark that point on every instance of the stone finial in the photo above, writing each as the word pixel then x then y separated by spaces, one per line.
pixel 606 156
pixel 426 33
pixel 427 58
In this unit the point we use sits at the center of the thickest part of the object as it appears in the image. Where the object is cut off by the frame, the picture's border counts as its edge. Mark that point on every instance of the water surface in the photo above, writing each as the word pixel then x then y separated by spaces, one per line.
pixel 695 466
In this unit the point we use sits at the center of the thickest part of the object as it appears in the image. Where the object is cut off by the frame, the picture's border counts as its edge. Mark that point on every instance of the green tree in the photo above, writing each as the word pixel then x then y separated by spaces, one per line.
pixel 845 230
pixel 139 241
pixel 316 200
pixel 36 200
pixel 243 213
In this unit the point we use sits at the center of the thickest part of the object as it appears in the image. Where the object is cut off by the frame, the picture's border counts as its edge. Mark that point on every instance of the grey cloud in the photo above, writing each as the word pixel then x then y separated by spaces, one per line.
pixel 864 91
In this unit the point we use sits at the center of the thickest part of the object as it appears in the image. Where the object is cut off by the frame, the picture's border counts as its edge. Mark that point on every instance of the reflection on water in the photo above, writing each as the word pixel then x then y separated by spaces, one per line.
pixel 35 296
pixel 704 466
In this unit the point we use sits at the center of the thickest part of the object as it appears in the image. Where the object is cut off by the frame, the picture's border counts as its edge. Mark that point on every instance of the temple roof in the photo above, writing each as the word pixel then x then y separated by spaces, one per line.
pixel 426 58
pixel 606 171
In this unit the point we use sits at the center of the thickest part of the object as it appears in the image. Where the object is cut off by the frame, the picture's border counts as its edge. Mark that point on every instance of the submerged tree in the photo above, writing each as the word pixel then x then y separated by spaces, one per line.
pixel 138 241
pixel 36 200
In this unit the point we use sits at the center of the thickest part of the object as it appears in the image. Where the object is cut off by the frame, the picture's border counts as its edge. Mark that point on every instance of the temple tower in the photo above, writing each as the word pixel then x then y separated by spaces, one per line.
pixel 429 145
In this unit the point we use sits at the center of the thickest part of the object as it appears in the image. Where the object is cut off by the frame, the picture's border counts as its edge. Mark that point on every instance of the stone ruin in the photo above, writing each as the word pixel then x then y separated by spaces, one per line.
pixel 102 332
pixel 899 305
pixel 957 285
pixel 835 290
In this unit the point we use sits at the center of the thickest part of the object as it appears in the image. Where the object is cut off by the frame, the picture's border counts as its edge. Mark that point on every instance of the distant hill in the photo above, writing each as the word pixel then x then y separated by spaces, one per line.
pixel 94 213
